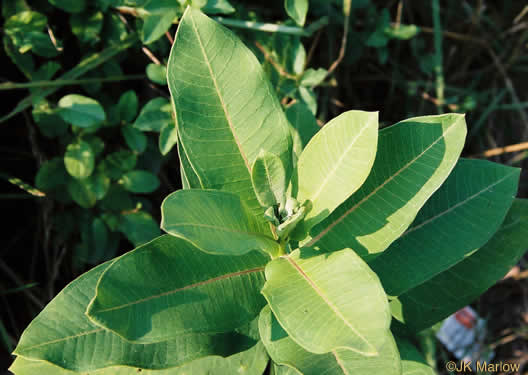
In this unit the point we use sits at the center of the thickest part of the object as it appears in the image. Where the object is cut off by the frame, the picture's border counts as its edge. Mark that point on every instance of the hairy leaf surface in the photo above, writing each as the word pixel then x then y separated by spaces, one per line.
pixel 269 180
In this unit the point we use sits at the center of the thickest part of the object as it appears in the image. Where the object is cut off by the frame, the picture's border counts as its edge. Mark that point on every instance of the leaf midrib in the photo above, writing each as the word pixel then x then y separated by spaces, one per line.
pixel 191 286
pixel 58 340
pixel 337 164
pixel 219 228
pixel 220 97
pixel 334 308
pixel 367 197
pixel 340 363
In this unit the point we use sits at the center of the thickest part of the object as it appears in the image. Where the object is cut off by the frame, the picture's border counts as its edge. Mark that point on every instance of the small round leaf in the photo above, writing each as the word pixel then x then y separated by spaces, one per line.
pixel 81 111
pixel 140 181
pixel 79 159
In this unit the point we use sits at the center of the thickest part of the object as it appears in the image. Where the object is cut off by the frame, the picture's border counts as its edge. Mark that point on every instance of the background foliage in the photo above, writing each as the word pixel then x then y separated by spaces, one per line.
pixel 88 125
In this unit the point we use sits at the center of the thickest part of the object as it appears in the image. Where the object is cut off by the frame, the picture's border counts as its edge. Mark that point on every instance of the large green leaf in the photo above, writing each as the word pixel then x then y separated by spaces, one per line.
pixel 216 222
pixel 336 162
pixel 328 301
pixel 283 350
pixel 61 334
pixel 413 362
pixel 250 362
pixel 282 370
pixel 225 107
pixel 168 287
pixel 189 177
pixel 414 158
pixel 459 218
pixel 461 284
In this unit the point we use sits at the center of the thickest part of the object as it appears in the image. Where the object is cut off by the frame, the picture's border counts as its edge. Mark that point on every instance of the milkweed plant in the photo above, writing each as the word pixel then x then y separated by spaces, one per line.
pixel 290 250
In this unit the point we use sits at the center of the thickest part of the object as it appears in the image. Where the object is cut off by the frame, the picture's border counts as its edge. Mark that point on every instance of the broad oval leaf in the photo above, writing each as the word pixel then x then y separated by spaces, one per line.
pixel 414 158
pixel 157 73
pixel 328 301
pixel 269 180
pixel 81 111
pixel 225 107
pixel 283 350
pixel 449 291
pixel 139 181
pixel 250 362
pixel 216 222
pixel 87 191
pixel 61 334
pixel 459 218
pixel 207 294
pixel 127 106
pixel 336 162
pixel 79 159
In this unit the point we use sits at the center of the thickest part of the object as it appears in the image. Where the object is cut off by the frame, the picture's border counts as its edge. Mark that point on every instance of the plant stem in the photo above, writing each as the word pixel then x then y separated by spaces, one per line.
pixel 438 66
pixel 274 28
pixel 66 82
pixel 282 248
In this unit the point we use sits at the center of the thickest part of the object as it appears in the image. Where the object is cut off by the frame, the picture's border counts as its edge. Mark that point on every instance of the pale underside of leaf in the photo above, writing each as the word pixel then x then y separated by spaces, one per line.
pixel 226 110
pixel 388 201
pixel 336 162
pixel 284 351
pixel 320 310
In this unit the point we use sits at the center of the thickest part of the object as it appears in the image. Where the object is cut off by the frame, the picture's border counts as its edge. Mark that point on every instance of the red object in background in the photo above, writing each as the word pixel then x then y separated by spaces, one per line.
pixel 466 318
